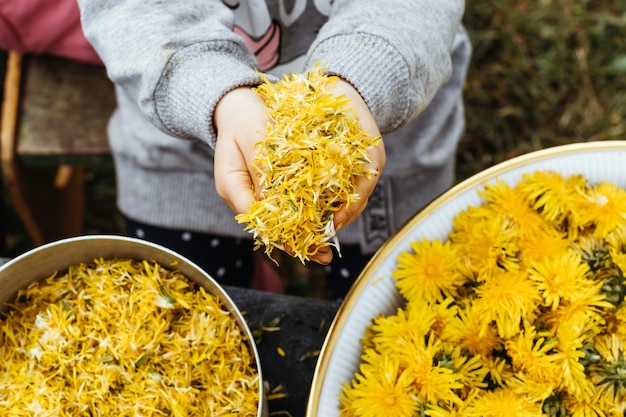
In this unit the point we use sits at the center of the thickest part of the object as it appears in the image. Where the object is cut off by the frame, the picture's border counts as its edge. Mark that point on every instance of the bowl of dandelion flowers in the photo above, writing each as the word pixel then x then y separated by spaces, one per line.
pixel 503 297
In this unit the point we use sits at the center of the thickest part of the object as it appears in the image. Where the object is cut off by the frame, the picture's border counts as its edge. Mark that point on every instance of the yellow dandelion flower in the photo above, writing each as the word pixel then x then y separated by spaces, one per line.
pixel 604 208
pixel 583 312
pixel 535 390
pixel 419 357
pixel 122 337
pixel 432 383
pixel 533 355
pixel 470 370
pixel 498 370
pixel 428 272
pixel 468 330
pixel 560 277
pixel 383 392
pixel 486 239
pixel 507 299
pixel 588 407
pixel 618 259
pixel 433 410
pixel 552 195
pixel 616 239
pixel 503 403
pixel 444 312
pixel 437 385
pixel 512 203
pixel 392 334
pixel 550 243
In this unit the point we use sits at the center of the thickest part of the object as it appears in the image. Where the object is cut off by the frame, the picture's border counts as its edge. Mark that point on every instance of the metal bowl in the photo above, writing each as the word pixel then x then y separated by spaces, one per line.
pixel 42 261
pixel 375 292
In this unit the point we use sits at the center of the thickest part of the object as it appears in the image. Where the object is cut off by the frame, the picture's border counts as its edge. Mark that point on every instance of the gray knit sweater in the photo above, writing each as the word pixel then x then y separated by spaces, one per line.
pixel 172 61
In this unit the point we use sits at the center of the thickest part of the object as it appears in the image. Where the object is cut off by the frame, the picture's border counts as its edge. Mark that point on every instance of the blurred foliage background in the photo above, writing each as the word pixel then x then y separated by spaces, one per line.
pixel 543 73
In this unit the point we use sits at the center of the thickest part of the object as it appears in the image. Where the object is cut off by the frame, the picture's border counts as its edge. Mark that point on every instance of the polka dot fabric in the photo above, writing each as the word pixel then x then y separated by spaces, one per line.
pixel 230 261
pixel 344 270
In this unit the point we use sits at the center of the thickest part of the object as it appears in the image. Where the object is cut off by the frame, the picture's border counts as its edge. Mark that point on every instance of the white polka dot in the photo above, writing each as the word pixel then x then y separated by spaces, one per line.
pixel 186 236
pixel 221 271
pixel 238 263
pixel 344 272
pixel 215 243
pixel 328 269
pixel 140 233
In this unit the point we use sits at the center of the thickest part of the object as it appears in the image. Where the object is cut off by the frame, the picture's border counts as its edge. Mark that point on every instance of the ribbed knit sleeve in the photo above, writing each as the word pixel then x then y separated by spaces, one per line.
pixel 397 53
pixel 174 59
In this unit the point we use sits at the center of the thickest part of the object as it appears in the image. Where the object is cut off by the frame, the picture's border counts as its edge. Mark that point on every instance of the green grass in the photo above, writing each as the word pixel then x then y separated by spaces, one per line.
pixel 543 73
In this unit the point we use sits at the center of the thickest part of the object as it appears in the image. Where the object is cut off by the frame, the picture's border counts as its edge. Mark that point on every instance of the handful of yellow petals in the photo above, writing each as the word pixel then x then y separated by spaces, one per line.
pixel 120 337
pixel 307 164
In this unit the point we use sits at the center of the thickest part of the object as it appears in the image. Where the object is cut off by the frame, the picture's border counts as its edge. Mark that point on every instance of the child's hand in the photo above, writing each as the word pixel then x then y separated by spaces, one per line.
pixel 241 121
pixel 365 186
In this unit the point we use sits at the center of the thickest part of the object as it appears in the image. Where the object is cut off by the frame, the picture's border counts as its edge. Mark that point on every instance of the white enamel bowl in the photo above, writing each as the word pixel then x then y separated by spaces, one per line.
pixel 374 291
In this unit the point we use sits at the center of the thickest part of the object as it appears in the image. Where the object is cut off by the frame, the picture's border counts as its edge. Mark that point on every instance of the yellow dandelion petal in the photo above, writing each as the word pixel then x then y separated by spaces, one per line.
pixel 307 164
pixel 432 380
pixel 445 313
pixel 438 385
pixel 497 368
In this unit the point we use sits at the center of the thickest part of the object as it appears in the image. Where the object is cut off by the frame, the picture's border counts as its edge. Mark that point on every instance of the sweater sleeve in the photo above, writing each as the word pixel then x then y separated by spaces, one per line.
pixel 396 54
pixel 170 56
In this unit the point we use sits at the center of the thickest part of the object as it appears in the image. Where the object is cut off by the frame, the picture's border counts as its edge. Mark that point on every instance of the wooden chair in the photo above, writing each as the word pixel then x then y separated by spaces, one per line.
pixel 53 125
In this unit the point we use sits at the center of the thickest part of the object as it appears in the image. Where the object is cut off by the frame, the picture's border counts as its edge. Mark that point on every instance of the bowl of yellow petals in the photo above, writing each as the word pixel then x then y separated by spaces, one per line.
pixel 115 326
pixel 503 297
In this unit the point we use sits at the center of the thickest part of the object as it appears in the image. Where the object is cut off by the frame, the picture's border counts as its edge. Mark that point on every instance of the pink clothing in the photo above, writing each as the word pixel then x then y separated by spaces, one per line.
pixel 44 27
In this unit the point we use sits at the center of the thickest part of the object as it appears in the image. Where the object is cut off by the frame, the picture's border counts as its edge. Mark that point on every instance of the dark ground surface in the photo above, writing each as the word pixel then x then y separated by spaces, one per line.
pixel 543 74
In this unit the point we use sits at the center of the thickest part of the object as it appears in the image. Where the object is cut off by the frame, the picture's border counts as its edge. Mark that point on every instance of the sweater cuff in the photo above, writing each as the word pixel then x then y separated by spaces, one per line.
pixel 380 78
pixel 194 80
